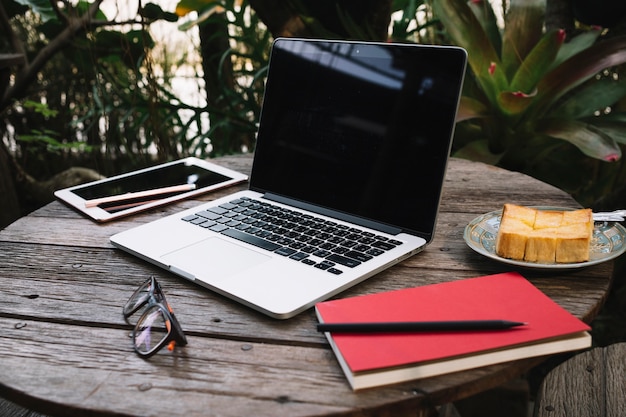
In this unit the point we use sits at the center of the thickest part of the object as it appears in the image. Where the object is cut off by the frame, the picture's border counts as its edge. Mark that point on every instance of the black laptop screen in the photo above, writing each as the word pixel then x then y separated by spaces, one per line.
pixel 362 129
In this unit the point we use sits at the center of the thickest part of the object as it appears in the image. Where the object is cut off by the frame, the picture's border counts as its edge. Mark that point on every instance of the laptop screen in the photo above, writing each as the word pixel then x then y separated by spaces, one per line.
pixel 359 128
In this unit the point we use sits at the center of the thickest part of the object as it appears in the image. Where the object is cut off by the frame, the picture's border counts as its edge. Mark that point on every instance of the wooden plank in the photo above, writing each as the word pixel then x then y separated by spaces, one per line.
pixel 208 374
pixel 590 384
pixel 615 372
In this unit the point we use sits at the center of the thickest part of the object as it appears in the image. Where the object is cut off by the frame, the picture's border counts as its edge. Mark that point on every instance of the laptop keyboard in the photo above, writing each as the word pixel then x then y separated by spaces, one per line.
pixel 314 241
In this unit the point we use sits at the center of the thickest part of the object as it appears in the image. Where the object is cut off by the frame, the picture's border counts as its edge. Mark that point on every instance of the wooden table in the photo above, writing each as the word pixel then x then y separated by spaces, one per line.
pixel 65 348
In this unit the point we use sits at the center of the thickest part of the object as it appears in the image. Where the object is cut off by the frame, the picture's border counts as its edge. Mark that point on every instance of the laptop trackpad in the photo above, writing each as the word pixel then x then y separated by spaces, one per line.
pixel 214 258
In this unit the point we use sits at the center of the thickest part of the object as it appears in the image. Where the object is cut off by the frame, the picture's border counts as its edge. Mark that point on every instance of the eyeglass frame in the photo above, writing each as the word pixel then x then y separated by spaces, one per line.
pixel 154 298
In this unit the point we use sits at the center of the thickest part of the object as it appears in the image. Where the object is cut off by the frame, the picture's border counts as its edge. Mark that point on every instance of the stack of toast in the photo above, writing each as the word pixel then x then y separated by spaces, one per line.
pixel 544 236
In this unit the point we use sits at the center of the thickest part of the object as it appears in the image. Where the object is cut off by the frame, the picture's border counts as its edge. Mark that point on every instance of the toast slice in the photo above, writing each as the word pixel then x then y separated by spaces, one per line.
pixel 515 227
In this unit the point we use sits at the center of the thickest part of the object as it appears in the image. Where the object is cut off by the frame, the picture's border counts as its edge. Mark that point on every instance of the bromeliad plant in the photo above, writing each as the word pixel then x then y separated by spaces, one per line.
pixel 537 102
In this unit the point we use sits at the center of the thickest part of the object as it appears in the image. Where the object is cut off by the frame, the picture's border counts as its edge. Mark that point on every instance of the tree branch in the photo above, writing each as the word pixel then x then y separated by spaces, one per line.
pixel 28 73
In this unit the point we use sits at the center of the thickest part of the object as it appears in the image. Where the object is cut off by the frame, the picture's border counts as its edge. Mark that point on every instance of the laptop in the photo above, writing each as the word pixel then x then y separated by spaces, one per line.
pixel 351 153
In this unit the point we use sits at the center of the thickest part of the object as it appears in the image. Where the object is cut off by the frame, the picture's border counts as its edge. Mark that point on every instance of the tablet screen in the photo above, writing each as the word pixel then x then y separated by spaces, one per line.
pixel 139 190
pixel 165 176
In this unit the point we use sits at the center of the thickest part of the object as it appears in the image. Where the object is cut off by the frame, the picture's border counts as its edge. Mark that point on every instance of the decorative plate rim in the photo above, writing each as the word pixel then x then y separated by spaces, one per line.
pixel 494 217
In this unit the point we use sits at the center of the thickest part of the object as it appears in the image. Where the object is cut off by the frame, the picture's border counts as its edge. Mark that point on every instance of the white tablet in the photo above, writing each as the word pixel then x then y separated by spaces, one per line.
pixel 125 194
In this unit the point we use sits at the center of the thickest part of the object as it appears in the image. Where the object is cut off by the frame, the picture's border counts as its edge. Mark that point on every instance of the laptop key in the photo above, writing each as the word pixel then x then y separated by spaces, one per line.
pixel 340 250
pixel 285 251
pixel 361 248
pixel 207 224
pixel 253 240
pixel 342 260
pixel 321 253
pixel 217 210
pixel 324 265
pixel 375 252
pixel 218 228
pixel 383 245
pixel 208 215
pixel 298 256
pixel 358 256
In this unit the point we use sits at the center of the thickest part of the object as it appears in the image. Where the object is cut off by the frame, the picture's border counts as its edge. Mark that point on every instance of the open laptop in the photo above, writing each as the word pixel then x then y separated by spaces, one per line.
pixel 351 153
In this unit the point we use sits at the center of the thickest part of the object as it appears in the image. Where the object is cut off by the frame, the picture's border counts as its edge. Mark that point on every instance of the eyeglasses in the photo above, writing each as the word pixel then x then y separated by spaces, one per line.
pixel 156 326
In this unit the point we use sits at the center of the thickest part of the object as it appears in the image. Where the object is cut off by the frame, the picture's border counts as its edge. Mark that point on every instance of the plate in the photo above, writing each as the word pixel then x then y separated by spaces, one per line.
pixel 608 241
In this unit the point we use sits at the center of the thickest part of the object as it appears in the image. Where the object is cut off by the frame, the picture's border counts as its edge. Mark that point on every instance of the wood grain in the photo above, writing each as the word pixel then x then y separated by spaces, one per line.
pixel 591 384
pixel 65 348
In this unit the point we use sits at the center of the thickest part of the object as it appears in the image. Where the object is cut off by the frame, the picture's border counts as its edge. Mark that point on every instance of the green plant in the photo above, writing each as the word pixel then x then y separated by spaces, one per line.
pixel 94 74
pixel 412 20
pixel 47 139
pixel 235 52
pixel 536 103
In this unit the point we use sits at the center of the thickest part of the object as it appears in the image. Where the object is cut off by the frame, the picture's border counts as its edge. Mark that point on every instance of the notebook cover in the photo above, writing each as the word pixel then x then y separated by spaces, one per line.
pixel 506 296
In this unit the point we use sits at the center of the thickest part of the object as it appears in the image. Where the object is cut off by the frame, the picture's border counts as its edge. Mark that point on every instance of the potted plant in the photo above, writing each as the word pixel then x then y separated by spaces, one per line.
pixel 537 102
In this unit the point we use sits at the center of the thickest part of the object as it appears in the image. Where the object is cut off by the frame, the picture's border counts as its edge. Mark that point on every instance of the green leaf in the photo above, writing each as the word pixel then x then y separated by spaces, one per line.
pixel 513 103
pixel 589 139
pixel 40 108
pixel 577 44
pixel 523 29
pixel 83 7
pixel 591 97
pixel 578 69
pixel 470 108
pixel 128 47
pixel 617 131
pixel 537 62
pixel 487 18
pixel 152 12
pixel 409 10
pixel 466 31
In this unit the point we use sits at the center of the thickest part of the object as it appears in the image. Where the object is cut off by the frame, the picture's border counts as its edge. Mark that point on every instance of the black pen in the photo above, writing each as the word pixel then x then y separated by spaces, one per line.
pixel 418 326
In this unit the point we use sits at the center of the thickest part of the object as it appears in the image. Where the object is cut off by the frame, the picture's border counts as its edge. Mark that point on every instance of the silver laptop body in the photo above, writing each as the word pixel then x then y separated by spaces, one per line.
pixel 350 158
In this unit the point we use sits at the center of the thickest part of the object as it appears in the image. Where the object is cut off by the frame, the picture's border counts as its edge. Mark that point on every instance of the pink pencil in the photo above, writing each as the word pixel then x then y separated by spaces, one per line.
pixel 140 194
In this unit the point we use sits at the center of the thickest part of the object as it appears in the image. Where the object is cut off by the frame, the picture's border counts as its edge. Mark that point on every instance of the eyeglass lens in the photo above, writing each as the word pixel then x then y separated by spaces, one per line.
pixel 151 330
pixel 141 298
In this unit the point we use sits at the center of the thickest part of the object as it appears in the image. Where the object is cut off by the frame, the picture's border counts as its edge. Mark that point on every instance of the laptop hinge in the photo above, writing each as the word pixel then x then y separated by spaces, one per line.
pixel 381 227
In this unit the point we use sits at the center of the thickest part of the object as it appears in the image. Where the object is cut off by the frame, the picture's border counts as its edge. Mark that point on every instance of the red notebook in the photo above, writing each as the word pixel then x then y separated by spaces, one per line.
pixel 382 358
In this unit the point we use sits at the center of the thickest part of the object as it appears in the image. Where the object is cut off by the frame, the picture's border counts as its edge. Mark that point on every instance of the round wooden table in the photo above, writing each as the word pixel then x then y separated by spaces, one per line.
pixel 65 347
